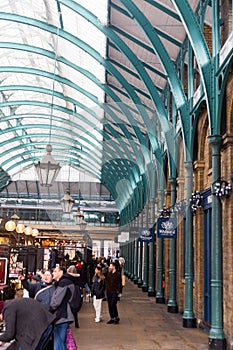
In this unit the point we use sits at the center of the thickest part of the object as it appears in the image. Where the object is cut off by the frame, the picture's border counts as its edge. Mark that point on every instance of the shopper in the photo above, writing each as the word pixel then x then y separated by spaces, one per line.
pixel 113 288
pixel 77 281
pixel 98 292
pixel 27 323
pixel 36 285
pixel 44 295
pixel 60 306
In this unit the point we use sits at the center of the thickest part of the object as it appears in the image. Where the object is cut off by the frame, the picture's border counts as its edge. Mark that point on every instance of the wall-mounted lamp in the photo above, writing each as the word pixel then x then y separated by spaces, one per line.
pixel 196 201
pixel 221 189
pixel 165 212
pixel 180 207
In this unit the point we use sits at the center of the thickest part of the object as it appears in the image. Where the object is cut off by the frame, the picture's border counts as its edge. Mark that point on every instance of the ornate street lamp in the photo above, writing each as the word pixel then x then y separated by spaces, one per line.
pixel 47 169
pixel 180 207
pixel 196 201
pixel 221 189
pixel 67 202
pixel 165 212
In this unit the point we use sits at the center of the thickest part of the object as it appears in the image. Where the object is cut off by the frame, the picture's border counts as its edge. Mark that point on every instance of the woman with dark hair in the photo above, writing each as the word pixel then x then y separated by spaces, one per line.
pixel 98 292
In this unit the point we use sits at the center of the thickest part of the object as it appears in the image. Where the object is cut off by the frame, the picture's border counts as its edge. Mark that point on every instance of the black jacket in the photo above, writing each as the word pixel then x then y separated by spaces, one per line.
pixel 99 288
pixel 26 320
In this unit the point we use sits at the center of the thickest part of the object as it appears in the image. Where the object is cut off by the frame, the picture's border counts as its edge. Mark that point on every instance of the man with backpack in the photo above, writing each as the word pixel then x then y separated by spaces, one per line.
pixel 77 299
pixel 60 306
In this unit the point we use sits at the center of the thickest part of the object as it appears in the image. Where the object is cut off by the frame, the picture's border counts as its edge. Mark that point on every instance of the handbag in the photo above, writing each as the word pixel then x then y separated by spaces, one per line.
pixel 70 341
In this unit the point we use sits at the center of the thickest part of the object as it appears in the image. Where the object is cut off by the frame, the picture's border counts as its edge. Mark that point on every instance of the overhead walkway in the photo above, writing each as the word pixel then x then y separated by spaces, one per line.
pixel 143 325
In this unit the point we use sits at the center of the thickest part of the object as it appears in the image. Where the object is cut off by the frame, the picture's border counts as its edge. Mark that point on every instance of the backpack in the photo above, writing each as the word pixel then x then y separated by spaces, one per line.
pixel 76 300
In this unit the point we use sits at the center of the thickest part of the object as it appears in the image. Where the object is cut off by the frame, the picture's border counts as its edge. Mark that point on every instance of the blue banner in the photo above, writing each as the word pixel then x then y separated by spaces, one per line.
pixel 146 234
pixel 167 227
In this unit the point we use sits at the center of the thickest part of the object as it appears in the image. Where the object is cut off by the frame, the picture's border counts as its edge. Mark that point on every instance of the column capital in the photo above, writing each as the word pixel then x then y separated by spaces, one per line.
pixel 188 165
pixel 215 141
pixel 172 181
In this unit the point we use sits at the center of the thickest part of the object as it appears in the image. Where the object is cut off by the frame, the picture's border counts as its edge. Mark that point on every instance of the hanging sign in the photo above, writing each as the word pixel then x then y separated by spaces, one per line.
pixel 166 227
pixel 146 235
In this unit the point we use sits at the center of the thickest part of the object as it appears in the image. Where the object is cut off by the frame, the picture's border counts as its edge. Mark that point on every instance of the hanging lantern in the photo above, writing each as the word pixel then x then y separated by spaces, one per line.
pixel 35 232
pixel 79 220
pixel 47 169
pixel 20 228
pixel 10 225
pixel 28 231
pixel 78 217
pixel 67 202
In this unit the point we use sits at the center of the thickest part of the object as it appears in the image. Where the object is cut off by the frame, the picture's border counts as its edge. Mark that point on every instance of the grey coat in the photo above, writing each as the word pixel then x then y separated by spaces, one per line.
pixel 60 299
pixel 26 320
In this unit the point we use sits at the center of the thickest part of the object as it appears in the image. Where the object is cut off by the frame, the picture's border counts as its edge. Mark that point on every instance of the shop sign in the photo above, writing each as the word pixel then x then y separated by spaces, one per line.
pixel 166 227
pixel 146 235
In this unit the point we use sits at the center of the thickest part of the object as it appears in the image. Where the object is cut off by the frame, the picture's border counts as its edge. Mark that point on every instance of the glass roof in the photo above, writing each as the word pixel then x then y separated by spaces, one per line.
pixel 95 79
pixel 43 89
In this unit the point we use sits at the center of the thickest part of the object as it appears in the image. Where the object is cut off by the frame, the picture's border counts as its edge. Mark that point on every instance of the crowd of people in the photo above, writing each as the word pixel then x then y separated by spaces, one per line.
pixel 39 316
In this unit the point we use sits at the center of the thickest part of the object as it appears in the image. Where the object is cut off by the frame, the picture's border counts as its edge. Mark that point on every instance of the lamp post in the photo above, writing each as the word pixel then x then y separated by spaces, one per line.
pixel 47 169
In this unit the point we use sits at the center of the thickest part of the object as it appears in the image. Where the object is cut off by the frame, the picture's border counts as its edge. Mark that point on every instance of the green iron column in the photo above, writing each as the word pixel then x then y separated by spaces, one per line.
pixel 129 259
pixel 135 269
pixel 132 258
pixel 140 255
pixel 145 255
pixel 189 320
pixel 216 336
pixel 139 282
pixel 160 299
pixel 172 304
pixel 133 250
pixel 151 273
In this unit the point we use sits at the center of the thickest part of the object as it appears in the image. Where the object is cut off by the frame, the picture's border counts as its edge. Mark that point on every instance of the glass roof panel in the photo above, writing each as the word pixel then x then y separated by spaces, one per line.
pixel 47 79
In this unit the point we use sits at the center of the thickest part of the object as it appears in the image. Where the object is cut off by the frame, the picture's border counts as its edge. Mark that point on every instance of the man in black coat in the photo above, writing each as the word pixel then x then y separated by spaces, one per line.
pixel 113 288
pixel 27 322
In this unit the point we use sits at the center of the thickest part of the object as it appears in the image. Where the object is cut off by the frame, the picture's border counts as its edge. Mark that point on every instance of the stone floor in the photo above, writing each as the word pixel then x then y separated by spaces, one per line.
pixel 143 325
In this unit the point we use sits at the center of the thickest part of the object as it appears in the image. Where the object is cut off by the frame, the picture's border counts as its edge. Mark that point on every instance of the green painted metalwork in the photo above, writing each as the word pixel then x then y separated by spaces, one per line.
pixel 77 42
pixel 140 266
pixel 188 314
pixel 164 9
pixel 66 36
pixel 145 251
pixel 199 45
pixel 216 331
pixel 136 63
pixel 159 49
pixel 135 269
pixel 172 303
pixel 159 288
pixel 133 147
